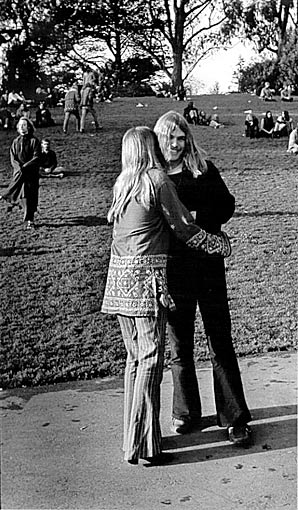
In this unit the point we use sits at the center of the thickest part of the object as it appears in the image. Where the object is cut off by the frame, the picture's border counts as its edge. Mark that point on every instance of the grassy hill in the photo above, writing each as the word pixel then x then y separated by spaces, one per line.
pixel 52 279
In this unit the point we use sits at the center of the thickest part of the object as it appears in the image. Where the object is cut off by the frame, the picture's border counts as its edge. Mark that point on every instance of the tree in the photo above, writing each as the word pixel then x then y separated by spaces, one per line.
pixel 267 23
pixel 177 34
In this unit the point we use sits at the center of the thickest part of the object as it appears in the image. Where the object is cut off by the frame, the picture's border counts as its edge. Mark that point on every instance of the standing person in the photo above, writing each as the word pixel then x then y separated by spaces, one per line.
pixel 145 208
pixel 71 106
pixel 87 100
pixel 25 157
pixel 48 166
pixel 200 279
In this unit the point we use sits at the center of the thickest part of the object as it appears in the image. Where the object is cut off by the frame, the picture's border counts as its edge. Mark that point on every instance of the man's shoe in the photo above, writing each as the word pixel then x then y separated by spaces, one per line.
pixel 239 435
pixel 180 426
pixel 160 459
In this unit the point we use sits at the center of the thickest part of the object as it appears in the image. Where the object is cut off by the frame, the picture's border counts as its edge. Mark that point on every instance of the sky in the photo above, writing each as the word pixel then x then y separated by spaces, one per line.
pixel 221 66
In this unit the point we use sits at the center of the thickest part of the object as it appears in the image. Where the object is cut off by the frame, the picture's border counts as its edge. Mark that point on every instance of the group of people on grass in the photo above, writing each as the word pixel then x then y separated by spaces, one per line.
pixel 267 93
pixel 269 127
pixel 168 199
pixel 77 104
pixel 200 118
pixel 167 257
pixel 74 100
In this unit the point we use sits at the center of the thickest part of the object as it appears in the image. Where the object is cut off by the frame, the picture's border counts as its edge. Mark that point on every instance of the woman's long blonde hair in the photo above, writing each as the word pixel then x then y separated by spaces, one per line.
pixel 194 157
pixel 140 153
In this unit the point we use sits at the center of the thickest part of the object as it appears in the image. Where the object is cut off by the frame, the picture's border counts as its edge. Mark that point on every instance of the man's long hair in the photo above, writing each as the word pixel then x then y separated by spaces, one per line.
pixel 140 153
pixel 193 157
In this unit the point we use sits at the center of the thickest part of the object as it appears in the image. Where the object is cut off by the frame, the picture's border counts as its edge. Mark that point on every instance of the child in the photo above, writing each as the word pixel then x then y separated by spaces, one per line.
pixel 48 161
pixel 25 156
pixel 145 209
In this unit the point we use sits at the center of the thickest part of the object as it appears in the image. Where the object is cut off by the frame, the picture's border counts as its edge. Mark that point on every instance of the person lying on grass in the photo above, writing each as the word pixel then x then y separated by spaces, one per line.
pixel 145 211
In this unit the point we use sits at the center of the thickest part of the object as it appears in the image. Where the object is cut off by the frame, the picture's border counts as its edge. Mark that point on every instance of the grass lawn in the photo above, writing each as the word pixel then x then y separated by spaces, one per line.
pixel 52 279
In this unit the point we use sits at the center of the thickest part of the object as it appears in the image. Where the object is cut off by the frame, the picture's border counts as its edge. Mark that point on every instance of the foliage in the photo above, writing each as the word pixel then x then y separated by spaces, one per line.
pixel 277 71
pixel 266 22
pixel 53 278
pixel 251 78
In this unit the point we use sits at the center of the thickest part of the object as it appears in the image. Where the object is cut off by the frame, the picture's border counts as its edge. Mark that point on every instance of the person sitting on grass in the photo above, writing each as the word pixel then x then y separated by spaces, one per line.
pixel 203 120
pixel 48 161
pixel 267 125
pixel 214 122
pixel 266 92
pixel 43 116
pixel 293 141
pixel 286 93
pixel 251 125
pixel 23 111
pixel 191 113
pixel 283 125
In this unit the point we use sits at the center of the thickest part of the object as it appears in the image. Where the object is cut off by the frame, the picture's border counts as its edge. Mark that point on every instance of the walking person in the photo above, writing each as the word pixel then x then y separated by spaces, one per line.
pixel 71 106
pixel 25 158
pixel 87 105
pixel 197 278
pixel 145 208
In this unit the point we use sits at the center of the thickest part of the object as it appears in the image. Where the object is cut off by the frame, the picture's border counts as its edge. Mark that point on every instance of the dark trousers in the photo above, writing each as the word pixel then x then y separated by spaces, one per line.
pixel 194 280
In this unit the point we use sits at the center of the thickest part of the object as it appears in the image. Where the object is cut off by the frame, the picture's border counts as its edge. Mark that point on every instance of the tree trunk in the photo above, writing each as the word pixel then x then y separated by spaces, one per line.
pixel 177 46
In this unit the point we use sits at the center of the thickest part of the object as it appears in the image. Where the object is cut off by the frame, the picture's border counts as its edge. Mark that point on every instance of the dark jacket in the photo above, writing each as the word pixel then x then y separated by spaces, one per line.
pixel 208 196
pixel 48 160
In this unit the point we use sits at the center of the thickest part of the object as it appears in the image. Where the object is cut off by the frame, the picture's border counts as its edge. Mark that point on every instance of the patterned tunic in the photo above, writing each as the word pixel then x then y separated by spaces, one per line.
pixel 136 281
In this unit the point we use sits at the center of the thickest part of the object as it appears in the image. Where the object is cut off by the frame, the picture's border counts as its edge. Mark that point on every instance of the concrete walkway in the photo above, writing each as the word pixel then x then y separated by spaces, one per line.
pixel 61 448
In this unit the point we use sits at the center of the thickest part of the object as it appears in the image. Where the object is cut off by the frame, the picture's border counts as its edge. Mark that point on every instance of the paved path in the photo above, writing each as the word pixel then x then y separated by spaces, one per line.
pixel 61 448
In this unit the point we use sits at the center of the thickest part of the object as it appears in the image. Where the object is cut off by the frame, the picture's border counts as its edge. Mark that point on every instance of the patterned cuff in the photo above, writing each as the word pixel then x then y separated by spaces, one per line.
pixel 217 244
pixel 197 240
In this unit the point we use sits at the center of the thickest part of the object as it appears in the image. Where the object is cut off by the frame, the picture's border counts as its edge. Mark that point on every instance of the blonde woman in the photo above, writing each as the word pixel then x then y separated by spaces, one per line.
pixel 199 279
pixel 24 156
pixel 145 209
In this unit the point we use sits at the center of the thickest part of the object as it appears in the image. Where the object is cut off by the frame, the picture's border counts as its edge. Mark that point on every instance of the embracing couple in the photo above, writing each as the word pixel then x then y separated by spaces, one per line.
pixel 167 256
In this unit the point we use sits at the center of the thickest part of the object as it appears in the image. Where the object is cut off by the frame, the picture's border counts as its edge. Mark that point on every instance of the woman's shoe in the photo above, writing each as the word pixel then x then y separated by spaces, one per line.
pixel 181 426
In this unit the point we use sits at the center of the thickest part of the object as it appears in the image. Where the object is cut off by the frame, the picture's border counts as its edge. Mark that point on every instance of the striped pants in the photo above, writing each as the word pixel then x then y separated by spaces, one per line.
pixel 144 341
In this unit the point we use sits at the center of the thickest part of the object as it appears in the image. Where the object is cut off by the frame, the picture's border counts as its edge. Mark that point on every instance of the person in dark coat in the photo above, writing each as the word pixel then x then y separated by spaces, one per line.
pixel 191 113
pixel 43 117
pixel 23 188
pixel 200 279
pixel 251 126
